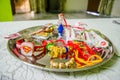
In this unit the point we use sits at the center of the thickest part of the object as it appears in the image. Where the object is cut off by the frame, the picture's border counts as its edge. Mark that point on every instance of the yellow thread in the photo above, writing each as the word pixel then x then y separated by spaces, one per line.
pixel 99 59
pixel 88 62
pixel 79 59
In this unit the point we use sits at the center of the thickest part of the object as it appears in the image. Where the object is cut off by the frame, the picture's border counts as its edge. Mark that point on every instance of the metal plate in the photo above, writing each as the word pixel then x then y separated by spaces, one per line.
pixel 44 61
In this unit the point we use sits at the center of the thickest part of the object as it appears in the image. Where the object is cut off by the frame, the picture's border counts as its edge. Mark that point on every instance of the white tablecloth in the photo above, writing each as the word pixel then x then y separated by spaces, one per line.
pixel 12 69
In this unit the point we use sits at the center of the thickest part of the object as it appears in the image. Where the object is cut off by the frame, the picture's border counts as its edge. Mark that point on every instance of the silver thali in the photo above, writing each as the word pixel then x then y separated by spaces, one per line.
pixel 43 60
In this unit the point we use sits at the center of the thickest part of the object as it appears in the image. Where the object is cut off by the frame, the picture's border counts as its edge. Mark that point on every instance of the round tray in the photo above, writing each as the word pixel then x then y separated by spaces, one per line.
pixel 44 61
